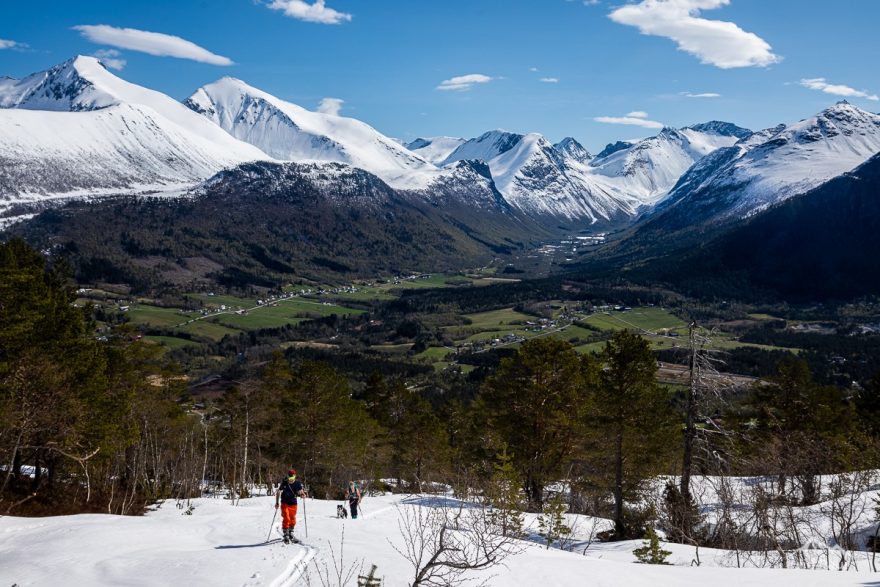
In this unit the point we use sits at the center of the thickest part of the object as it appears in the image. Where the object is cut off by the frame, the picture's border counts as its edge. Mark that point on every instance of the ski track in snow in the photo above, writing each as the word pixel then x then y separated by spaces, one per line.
pixel 296 567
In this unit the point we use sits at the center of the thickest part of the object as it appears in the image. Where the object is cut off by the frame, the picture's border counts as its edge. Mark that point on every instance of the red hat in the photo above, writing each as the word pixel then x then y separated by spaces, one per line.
pixel 292 471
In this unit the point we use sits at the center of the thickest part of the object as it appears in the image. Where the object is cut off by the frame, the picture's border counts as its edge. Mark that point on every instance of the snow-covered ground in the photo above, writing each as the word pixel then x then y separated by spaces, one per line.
pixel 220 544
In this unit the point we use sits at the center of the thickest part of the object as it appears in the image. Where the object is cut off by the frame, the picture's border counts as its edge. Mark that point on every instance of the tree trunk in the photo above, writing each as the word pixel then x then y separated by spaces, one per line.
pixel 619 526
pixel 690 430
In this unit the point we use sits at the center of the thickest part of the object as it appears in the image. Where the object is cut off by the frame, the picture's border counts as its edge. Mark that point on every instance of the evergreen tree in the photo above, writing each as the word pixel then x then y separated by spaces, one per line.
pixel 632 423
pixel 505 494
pixel 418 446
pixel 320 427
pixel 534 402
pixel 650 552
pixel 551 523
pixel 801 429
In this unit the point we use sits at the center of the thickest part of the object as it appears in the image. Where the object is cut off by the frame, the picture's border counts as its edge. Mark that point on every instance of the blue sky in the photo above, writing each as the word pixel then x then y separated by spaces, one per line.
pixel 769 61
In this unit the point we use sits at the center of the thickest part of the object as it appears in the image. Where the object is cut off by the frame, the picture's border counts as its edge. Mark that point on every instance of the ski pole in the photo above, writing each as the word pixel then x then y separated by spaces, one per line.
pixel 272 525
pixel 305 517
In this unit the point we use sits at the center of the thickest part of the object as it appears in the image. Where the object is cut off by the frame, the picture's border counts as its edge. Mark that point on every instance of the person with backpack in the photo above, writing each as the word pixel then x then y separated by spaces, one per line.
pixel 288 491
pixel 353 495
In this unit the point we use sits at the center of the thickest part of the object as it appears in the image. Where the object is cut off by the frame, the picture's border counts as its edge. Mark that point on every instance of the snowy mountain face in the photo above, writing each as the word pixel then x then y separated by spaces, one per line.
pixel 571 149
pixel 774 165
pixel 649 168
pixel 77 129
pixel 435 149
pixel 564 181
pixel 541 181
pixel 614 147
pixel 291 133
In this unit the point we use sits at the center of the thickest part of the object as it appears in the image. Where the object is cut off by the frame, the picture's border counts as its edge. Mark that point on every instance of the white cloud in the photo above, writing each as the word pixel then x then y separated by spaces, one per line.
pixel 821 84
pixel 636 118
pixel 463 83
pixel 317 12
pixel 9 44
pixel 716 42
pixel 700 95
pixel 331 106
pixel 550 80
pixel 110 58
pixel 158 44
pixel 533 69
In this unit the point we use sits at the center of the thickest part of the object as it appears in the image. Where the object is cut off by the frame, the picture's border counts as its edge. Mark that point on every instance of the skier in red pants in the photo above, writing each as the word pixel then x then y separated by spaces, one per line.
pixel 288 490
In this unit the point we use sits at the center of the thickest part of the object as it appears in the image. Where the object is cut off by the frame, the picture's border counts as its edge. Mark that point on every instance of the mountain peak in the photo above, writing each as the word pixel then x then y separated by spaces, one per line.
pixel 612 148
pixel 571 148
pixel 77 84
pixel 289 132
pixel 485 147
pixel 435 149
pixel 720 127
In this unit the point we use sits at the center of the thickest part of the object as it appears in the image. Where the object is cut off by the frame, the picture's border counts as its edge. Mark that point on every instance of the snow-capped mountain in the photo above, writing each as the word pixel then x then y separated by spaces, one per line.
pixel 539 180
pixel 773 166
pixel 76 129
pixel 435 149
pixel 649 168
pixel 572 149
pixel 291 133
pixel 563 180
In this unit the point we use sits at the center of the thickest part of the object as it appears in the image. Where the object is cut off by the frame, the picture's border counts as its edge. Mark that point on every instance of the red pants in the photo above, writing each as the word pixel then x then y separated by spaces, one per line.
pixel 288 516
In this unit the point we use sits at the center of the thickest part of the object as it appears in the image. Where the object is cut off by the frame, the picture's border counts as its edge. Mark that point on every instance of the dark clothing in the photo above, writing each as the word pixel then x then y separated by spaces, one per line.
pixel 289 491
pixel 354 499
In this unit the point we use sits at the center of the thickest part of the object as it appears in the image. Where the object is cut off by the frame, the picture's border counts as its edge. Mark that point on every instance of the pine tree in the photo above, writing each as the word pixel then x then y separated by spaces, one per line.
pixel 650 552
pixel 320 427
pixel 505 494
pixel 534 402
pixel 632 423
pixel 802 429
pixel 551 523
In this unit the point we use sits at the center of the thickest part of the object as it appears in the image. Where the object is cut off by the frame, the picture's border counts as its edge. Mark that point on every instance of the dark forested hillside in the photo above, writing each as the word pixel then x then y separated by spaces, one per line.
pixel 822 245
pixel 261 224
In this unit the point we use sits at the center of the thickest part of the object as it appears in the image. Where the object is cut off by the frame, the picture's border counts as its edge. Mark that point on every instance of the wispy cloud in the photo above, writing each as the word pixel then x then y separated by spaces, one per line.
pixel 10 44
pixel 158 44
pixel 533 69
pixel 316 12
pixel 331 106
pixel 462 83
pixel 110 58
pixel 550 80
pixel 715 42
pixel 635 118
pixel 821 84
pixel 700 95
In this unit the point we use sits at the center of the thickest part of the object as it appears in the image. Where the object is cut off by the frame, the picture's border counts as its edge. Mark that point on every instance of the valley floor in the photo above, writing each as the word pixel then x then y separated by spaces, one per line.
pixel 220 544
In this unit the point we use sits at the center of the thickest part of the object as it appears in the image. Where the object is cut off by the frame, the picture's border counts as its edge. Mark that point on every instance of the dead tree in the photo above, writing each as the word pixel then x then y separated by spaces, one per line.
pixel 445 540
pixel 705 392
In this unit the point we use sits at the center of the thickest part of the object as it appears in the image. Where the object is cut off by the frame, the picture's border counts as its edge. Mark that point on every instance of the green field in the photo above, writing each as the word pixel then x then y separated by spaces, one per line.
pixel 156 316
pixel 282 312
pixel 489 325
pixel 172 342
pixel 394 349
pixel 434 353
pixel 496 318
pixel 647 319
pixel 224 300
pixel 279 313
pixel 209 329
